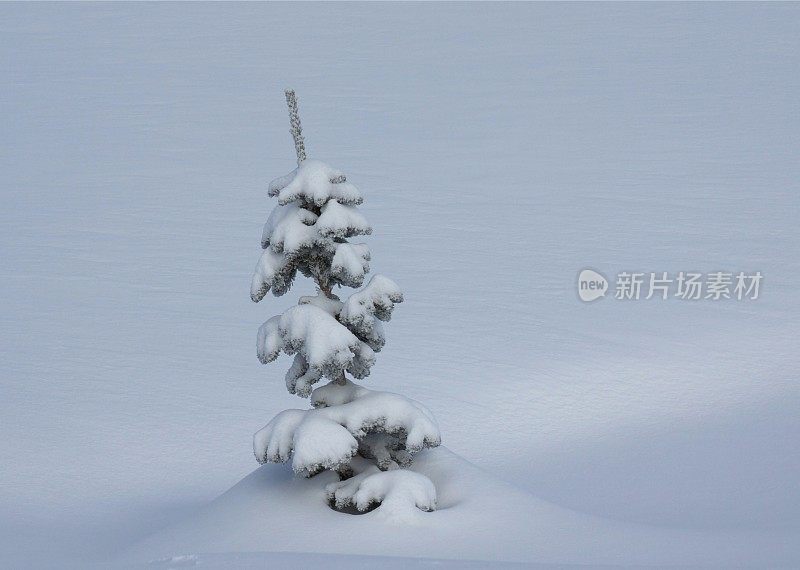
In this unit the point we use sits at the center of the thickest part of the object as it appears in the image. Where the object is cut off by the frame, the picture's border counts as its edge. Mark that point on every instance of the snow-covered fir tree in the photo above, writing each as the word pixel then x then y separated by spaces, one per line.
pixel 365 435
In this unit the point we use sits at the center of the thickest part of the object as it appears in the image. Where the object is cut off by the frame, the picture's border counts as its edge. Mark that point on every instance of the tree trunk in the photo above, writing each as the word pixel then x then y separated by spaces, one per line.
pixel 295 128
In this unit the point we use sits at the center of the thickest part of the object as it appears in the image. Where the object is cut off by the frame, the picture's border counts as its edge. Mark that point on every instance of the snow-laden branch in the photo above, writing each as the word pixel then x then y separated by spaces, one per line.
pixel 363 310
pixel 350 263
pixel 273 271
pixel 386 449
pixel 328 436
pixel 398 492
pixel 289 228
pixel 310 226
pixel 327 347
pixel 314 183
pixel 341 221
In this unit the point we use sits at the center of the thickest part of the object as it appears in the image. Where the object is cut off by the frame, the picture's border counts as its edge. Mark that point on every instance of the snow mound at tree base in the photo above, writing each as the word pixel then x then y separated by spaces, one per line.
pixel 478 518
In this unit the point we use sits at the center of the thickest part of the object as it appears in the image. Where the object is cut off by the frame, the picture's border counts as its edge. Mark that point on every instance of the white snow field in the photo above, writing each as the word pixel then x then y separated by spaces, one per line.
pixel 501 149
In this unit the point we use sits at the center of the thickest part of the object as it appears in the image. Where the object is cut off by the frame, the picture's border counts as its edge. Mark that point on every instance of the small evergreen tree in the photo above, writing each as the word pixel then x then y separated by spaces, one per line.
pixel 364 435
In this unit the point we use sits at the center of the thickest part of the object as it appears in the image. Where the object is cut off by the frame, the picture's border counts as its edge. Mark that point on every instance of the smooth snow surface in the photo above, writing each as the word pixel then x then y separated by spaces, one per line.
pixel 500 149
pixel 489 520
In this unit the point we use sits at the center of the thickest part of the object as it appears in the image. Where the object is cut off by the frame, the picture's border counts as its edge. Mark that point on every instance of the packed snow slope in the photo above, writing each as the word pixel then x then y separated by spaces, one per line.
pixel 501 149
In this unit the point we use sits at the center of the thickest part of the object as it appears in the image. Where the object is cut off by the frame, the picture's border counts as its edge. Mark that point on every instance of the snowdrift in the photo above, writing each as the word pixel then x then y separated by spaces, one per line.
pixel 479 518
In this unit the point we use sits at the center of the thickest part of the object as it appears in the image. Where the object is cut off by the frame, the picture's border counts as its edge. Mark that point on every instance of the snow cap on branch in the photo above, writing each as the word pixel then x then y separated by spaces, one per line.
pixel 358 415
pixel 289 228
pixel 339 221
pixel 350 263
pixel 363 309
pixel 273 271
pixel 326 346
pixel 399 493
pixel 314 182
